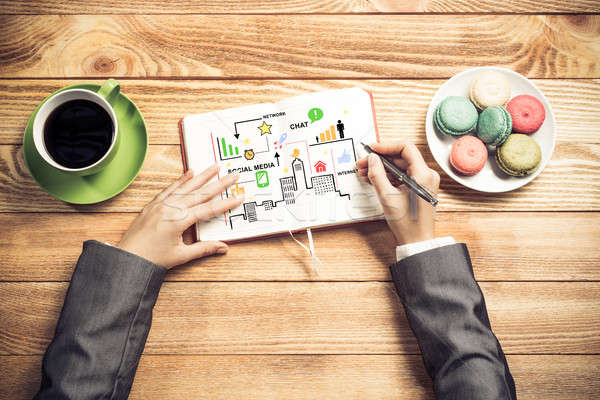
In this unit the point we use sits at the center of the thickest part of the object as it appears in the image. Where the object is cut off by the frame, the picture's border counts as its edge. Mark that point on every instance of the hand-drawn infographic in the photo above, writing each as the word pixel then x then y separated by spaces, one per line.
pixel 316 159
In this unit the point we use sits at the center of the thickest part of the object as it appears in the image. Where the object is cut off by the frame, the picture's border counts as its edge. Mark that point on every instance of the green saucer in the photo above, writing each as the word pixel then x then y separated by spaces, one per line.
pixel 109 182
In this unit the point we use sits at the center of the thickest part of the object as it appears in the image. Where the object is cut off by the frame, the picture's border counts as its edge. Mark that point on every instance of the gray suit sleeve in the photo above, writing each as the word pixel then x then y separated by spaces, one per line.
pixel 446 311
pixel 102 327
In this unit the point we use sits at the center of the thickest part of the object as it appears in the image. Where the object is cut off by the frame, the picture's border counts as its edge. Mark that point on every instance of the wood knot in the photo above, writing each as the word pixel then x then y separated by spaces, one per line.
pixel 580 20
pixel 105 65
pixel 588 25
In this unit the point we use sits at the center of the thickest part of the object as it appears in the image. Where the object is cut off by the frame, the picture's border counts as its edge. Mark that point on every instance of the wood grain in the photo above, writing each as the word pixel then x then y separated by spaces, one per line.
pixel 296 335
pixel 503 246
pixel 401 105
pixel 293 6
pixel 315 318
pixel 385 46
pixel 570 181
pixel 298 377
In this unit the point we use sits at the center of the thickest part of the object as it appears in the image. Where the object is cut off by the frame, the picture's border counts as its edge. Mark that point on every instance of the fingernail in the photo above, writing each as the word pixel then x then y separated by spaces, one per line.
pixel 189 172
pixel 222 250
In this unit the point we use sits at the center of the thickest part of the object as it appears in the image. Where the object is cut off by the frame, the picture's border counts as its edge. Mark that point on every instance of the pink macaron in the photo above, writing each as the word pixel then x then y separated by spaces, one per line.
pixel 527 113
pixel 468 155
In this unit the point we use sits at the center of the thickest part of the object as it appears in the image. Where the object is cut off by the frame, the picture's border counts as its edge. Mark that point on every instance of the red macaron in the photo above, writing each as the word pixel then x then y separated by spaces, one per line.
pixel 468 155
pixel 527 113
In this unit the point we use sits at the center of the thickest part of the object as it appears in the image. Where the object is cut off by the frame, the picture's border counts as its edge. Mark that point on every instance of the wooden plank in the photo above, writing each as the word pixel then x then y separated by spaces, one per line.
pixel 314 376
pixel 401 105
pixel 293 6
pixel 315 318
pixel 570 181
pixel 397 46
pixel 503 246
pixel 163 164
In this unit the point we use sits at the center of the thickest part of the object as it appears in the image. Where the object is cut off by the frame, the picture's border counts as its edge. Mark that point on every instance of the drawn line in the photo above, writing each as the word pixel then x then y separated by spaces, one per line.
pixel 241 122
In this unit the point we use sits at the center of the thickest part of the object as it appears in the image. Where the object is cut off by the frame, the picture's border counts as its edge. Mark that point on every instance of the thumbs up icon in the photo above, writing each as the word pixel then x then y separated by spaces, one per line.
pixel 344 158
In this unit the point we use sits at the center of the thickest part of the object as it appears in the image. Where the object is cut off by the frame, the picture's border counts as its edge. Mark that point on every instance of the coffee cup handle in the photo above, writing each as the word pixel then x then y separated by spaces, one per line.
pixel 109 90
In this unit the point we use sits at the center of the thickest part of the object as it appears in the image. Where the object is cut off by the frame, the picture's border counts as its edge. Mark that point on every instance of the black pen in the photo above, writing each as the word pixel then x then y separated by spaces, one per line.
pixel 402 177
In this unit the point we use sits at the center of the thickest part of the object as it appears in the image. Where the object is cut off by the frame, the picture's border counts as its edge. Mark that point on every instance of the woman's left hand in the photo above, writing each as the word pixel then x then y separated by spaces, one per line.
pixel 156 233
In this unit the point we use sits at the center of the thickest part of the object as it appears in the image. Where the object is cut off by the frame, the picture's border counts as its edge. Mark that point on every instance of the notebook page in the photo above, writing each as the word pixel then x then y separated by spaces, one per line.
pixel 296 159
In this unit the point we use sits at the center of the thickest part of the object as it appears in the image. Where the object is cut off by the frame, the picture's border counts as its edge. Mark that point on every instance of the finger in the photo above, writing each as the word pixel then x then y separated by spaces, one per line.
pixel 378 177
pixel 400 162
pixel 206 211
pixel 182 179
pixel 429 178
pixel 416 166
pixel 364 172
pixel 208 191
pixel 202 249
pixel 362 163
pixel 198 180
pixel 394 180
pixel 403 150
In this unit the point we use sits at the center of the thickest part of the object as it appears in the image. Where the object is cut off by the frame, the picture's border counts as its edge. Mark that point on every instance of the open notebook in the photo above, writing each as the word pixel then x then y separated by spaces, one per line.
pixel 296 160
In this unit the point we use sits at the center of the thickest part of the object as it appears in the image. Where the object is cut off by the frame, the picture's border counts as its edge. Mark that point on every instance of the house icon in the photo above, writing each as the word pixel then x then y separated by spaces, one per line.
pixel 320 166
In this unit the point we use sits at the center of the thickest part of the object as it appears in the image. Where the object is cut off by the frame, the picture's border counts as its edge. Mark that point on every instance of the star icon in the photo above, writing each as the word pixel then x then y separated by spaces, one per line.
pixel 265 128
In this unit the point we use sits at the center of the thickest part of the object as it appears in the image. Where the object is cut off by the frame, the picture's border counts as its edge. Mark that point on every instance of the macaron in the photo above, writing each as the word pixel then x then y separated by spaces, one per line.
pixel 468 155
pixel 490 88
pixel 455 116
pixel 494 125
pixel 527 112
pixel 520 155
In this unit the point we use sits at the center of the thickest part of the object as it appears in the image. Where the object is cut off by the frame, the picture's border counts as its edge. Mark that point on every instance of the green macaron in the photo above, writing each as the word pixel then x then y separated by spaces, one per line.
pixel 520 155
pixel 455 116
pixel 494 125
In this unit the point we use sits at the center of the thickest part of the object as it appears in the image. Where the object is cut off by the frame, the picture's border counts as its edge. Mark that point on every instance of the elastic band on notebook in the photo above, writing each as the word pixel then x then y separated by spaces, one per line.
pixel 311 246
pixel 310 249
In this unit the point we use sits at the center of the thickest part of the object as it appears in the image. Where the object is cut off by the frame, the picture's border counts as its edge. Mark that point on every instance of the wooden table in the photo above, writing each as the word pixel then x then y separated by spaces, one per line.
pixel 257 324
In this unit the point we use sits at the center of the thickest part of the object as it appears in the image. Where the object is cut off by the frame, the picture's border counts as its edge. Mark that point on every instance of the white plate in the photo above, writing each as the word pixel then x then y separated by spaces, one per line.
pixel 491 178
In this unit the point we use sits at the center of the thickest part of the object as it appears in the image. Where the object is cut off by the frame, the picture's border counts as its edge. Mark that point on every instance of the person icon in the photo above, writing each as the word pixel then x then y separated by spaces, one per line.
pixel 340 129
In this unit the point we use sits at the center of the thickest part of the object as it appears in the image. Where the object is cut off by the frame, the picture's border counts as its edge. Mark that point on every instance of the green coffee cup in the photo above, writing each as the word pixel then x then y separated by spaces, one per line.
pixel 103 98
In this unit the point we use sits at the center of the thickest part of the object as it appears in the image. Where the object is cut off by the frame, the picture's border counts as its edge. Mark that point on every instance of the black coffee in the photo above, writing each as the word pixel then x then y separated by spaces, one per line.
pixel 78 133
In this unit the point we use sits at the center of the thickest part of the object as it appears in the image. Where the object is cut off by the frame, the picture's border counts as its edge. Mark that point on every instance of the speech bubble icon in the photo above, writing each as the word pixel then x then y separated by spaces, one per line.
pixel 315 114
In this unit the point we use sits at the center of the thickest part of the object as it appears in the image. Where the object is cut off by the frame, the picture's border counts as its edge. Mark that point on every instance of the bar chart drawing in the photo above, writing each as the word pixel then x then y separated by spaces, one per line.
pixel 327 136
pixel 227 151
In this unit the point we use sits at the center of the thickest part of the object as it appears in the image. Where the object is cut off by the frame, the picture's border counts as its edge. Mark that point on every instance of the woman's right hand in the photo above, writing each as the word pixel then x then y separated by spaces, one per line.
pixel 394 197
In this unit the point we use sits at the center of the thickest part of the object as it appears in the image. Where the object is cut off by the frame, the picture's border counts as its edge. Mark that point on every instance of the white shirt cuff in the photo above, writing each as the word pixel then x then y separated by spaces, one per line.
pixel 409 249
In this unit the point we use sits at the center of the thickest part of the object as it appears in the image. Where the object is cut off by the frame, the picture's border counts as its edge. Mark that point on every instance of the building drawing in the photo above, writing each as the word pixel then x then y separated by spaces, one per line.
pixel 291 188
pixel 323 184
pixel 250 211
pixel 288 187
pixel 350 140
